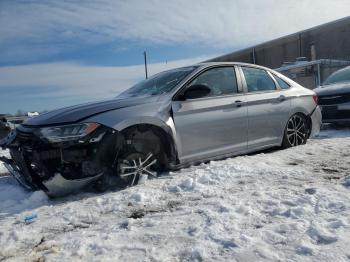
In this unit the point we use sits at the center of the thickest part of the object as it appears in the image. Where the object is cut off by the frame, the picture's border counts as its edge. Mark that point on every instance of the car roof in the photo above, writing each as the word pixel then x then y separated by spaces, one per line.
pixel 208 64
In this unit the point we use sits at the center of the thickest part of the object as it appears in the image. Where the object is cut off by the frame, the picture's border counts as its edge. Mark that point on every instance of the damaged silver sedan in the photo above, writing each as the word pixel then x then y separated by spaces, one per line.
pixel 173 119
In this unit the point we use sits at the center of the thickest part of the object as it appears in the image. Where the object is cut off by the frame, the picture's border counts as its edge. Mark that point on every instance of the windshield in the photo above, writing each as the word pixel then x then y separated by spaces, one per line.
pixel 159 84
pixel 340 76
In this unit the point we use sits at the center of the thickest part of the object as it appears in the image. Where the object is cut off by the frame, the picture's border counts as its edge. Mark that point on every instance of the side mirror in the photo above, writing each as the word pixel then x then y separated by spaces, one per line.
pixel 196 91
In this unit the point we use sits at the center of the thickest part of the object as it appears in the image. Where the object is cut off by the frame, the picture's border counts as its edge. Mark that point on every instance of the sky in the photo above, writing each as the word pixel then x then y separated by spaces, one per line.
pixel 59 53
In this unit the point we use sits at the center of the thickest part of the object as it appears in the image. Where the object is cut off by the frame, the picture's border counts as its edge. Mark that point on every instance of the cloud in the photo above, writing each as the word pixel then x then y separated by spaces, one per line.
pixel 33 31
pixel 219 23
pixel 71 83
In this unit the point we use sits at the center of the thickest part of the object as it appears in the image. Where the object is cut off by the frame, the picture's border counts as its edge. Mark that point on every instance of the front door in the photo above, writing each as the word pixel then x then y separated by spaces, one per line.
pixel 213 125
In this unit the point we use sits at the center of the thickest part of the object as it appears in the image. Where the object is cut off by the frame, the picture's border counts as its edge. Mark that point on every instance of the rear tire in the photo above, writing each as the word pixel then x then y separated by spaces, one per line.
pixel 296 131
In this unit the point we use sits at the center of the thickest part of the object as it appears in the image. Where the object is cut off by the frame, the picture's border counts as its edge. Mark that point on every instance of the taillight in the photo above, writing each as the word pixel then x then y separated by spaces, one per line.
pixel 315 99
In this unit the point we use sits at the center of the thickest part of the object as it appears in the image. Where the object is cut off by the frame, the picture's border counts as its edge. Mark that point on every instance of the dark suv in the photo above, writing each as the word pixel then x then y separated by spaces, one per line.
pixel 334 97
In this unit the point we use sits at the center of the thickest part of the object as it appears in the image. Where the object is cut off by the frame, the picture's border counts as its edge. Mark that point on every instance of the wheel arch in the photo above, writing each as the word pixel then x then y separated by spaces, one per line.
pixel 307 118
pixel 308 122
pixel 304 105
pixel 161 130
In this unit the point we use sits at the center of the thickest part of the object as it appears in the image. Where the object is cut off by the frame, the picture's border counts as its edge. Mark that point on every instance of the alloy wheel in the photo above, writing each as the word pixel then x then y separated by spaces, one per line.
pixel 136 166
pixel 296 130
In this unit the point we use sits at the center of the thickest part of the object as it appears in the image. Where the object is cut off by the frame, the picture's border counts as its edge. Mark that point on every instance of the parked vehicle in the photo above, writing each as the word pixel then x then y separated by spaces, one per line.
pixel 334 97
pixel 173 119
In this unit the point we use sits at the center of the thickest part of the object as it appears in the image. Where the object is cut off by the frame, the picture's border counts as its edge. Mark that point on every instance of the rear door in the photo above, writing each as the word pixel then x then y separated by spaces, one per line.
pixel 213 125
pixel 268 107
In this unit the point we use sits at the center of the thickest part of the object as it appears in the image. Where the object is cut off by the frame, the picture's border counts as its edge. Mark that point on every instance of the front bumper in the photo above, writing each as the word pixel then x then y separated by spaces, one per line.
pixel 59 186
pixel 56 186
pixel 57 169
pixel 336 113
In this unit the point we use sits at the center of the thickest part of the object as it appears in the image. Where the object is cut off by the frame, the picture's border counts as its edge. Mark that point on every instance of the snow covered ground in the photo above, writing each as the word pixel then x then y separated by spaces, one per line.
pixel 285 205
pixel 3 170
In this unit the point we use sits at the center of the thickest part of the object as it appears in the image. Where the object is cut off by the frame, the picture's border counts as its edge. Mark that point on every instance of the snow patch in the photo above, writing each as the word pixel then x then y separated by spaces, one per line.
pixel 138 197
pixel 3 169
pixel 320 235
pixel 346 181
pixel 16 199
pixel 283 205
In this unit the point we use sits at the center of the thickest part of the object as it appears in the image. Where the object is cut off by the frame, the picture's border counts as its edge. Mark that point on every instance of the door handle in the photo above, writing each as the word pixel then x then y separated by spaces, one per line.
pixel 238 103
pixel 281 98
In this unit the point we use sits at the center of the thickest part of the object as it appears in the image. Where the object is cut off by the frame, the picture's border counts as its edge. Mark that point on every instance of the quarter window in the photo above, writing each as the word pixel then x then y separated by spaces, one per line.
pixel 258 80
pixel 221 81
pixel 283 84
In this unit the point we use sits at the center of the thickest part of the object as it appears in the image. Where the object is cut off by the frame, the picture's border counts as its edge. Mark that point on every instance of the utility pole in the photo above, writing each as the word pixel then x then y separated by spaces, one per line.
pixel 145 56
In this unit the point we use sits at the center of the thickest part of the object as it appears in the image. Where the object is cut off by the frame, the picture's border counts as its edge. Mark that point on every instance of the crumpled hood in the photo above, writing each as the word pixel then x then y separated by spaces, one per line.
pixel 79 112
pixel 334 89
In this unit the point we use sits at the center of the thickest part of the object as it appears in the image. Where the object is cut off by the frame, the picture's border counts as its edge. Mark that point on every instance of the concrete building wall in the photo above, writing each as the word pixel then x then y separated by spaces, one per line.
pixel 329 41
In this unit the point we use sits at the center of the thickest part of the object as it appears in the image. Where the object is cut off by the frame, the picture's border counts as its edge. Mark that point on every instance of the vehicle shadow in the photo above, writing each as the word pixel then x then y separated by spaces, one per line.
pixel 333 131
pixel 15 199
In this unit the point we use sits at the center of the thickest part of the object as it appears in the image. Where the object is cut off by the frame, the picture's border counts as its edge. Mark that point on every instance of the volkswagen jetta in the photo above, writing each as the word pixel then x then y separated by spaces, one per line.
pixel 173 119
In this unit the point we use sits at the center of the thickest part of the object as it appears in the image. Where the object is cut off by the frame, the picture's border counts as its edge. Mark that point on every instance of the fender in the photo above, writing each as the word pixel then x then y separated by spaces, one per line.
pixel 156 114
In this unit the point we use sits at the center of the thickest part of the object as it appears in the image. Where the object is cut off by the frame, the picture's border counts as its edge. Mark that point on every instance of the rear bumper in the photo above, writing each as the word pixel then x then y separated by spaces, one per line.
pixel 316 119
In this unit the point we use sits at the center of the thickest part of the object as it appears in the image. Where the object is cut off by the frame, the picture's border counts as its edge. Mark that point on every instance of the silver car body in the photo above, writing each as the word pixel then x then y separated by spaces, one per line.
pixel 197 130
pixel 214 127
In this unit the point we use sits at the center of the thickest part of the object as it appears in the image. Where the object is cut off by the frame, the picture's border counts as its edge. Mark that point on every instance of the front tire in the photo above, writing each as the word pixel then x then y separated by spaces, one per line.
pixel 142 155
pixel 136 166
pixel 296 131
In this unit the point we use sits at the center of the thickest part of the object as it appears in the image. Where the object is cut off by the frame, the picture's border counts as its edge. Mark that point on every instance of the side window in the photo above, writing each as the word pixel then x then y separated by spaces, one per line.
pixel 283 84
pixel 221 81
pixel 258 80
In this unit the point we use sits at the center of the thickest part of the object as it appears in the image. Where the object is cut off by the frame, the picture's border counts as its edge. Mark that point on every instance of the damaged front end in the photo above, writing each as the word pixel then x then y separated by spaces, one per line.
pixel 60 159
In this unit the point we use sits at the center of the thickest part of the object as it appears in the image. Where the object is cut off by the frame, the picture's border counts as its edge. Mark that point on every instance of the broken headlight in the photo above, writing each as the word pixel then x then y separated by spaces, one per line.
pixel 66 133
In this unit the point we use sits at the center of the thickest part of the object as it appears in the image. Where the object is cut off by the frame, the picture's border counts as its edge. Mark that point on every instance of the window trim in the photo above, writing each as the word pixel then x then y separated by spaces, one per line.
pixel 240 88
pixel 275 76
